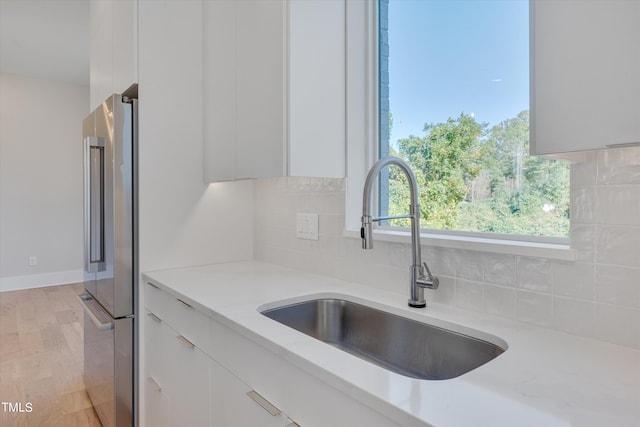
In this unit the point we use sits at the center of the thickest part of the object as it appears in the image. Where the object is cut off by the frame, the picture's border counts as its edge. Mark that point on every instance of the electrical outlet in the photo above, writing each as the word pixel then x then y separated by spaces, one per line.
pixel 33 260
pixel 307 226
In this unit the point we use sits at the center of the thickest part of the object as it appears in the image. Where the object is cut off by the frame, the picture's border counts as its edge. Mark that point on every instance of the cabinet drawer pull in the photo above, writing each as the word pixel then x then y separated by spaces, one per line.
pixel 154 317
pixel 266 405
pixel 153 286
pixel 155 384
pixel 185 341
pixel 293 424
pixel 185 303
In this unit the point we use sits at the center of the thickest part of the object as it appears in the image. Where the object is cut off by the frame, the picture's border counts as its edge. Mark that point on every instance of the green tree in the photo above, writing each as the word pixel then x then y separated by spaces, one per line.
pixel 520 194
pixel 529 195
pixel 508 143
pixel 443 160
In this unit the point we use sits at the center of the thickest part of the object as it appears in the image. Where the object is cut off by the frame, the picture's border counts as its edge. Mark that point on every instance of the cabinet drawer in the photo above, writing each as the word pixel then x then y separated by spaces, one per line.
pixel 179 313
pixel 235 404
pixel 156 300
pixel 188 321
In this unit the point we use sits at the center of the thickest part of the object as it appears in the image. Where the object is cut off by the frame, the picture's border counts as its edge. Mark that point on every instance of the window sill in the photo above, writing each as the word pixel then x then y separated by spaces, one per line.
pixel 511 247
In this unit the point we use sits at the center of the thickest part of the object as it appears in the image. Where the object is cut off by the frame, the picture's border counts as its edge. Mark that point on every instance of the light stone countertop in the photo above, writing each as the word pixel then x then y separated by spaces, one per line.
pixel 545 378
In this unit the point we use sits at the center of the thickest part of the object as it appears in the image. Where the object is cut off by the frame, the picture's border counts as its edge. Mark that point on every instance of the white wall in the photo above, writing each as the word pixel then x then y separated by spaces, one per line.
pixel 40 181
pixel 598 295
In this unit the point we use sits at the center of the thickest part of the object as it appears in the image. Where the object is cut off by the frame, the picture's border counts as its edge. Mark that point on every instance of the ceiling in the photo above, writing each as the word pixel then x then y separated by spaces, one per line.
pixel 46 39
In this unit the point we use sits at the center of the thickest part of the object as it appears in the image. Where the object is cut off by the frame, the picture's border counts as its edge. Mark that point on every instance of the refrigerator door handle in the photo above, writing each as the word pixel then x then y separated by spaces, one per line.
pixel 89 305
pixel 94 177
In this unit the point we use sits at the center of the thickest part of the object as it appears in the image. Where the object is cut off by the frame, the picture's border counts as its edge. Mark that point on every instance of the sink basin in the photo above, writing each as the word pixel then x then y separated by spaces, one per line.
pixel 396 343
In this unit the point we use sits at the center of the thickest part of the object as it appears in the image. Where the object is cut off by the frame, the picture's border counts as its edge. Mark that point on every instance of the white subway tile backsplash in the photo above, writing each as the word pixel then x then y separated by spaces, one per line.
pixel 469 295
pixel 500 269
pixel 574 316
pixel 618 285
pixel 584 174
pixel 445 294
pixel 618 205
pixel 582 237
pixel 618 325
pixel 583 205
pixel 469 265
pixel 331 224
pixel 618 244
pixel 386 278
pixel 618 166
pixel 500 301
pixel 574 279
pixel 441 261
pixel 435 255
pixel 535 274
pixel 534 308
pixel 396 254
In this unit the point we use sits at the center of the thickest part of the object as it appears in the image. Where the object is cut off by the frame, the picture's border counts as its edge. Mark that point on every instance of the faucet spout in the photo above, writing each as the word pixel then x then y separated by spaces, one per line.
pixel 421 277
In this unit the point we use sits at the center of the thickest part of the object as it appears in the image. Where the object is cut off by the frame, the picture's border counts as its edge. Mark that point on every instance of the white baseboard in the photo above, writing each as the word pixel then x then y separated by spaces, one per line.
pixel 16 283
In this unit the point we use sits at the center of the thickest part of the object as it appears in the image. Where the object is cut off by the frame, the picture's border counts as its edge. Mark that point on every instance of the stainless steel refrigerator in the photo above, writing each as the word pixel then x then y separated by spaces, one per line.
pixel 110 257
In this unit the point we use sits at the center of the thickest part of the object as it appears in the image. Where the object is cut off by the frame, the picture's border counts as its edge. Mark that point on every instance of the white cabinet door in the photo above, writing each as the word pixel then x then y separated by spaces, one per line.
pixel 177 378
pixel 244 89
pixel 190 388
pixel 585 63
pixel 317 117
pixel 113 53
pixel 125 42
pixel 260 88
pixel 231 406
pixel 100 52
pixel 219 104
pixel 157 406
pixel 156 376
pixel 274 89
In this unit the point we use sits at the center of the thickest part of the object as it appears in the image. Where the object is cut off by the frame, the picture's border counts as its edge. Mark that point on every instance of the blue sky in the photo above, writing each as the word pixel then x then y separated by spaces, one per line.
pixel 450 56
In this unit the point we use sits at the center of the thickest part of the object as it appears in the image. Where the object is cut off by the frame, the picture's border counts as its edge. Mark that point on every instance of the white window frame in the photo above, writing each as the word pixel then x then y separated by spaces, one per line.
pixel 362 141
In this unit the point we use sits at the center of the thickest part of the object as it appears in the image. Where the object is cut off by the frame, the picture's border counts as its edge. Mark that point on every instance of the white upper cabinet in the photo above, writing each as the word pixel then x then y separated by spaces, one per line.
pixel 274 91
pixel 219 104
pixel 261 82
pixel 585 74
pixel 125 44
pixel 244 89
pixel 317 88
pixel 113 48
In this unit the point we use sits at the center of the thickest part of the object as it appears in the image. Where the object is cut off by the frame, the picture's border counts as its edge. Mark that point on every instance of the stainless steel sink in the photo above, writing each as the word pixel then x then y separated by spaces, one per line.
pixel 399 344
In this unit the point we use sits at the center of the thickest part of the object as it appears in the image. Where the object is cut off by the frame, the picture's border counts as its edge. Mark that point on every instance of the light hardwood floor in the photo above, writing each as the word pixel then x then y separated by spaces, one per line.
pixel 41 358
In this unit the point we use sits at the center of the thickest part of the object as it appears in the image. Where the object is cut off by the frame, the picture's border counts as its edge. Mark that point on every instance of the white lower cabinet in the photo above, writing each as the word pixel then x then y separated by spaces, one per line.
pixel 177 375
pixel 235 404
pixel 211 375
pixel 157 383
pixel 184 386
pixel 190 373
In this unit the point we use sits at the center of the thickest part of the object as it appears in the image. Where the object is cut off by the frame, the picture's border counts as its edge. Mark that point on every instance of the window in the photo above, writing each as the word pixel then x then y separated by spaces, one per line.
pixel 453 102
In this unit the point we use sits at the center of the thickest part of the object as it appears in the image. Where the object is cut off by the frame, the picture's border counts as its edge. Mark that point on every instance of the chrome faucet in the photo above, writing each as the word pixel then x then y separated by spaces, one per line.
pixel 419 280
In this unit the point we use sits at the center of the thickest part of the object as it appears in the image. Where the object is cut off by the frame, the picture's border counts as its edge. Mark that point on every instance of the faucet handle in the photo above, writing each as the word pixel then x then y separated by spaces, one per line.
pixel 426 267
pixel 429 280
